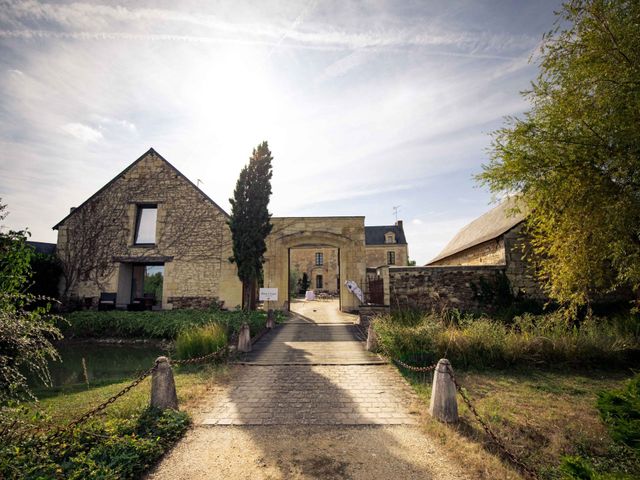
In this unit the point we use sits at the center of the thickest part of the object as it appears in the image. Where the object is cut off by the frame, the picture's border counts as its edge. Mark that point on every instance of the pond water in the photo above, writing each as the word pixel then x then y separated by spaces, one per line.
pixel 104 362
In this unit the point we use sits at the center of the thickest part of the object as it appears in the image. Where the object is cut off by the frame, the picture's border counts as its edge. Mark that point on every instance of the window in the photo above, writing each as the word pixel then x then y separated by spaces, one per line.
pixel 391 258
pixel 389 237
pixel 318 281
pixel 319 258
pixel 146 225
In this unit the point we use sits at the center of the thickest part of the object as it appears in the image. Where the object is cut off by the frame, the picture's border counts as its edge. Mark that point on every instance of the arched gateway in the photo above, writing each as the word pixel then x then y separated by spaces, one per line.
pixel 344 233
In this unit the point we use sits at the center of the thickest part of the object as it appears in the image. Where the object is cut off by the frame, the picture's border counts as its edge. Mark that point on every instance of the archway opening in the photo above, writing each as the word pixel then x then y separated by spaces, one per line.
pixel 314 273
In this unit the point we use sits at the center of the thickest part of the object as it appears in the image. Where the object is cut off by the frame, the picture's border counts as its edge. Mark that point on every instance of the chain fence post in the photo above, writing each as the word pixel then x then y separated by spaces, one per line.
pixel 244 339
pixel 270 321
pixel 163 386
pixel 372 339
pixel 444 400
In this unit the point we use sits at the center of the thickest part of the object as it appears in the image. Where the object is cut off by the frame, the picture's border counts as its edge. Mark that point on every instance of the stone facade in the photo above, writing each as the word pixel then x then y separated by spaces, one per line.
pixel 378 255
pixel 290 233
pixel 434 288
pixel 303 260
pixel 192 239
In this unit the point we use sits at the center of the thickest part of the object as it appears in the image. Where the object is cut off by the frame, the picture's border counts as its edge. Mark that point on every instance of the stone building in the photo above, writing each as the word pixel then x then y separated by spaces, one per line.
pixel 494 239
pixel 150 235
pixel 386 245
pixel 321 266
pixel 152 238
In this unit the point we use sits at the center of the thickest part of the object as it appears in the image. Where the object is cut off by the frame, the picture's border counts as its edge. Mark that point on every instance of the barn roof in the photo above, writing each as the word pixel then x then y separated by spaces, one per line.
pixel 488 226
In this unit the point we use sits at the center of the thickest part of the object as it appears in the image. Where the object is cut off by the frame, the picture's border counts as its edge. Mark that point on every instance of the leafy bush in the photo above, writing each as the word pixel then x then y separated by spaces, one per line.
pixel 164 324
pixel 115 449
pixel 483 342
pixel 26 328
pixel 620 410
pixel 198 341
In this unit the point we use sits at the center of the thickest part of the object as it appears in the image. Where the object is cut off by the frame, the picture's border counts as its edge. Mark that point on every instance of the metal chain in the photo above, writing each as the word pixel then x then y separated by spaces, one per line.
pixel 94 411
pixel 201 359
pixel 87 415
pixel 506 452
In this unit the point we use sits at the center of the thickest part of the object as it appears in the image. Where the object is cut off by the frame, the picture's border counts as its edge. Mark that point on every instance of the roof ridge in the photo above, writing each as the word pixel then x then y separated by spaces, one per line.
pixel 151 151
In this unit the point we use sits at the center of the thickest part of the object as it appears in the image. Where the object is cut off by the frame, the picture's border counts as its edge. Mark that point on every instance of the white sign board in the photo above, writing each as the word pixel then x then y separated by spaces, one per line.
pixel 269 294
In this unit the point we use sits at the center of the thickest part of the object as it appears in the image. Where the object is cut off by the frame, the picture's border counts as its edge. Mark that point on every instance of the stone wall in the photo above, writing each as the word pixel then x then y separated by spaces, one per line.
pixel 519 271
pixel 434 288
pixel 192 237
pixel 491 252
pixel 377 254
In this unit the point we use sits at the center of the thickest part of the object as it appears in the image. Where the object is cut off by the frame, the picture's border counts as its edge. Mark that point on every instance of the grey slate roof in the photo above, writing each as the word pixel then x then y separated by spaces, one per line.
pixel 43 247
pixel 488 226
pixel 375 235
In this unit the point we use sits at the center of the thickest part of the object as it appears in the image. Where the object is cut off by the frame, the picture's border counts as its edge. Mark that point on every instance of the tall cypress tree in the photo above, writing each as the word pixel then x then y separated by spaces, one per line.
pixel 250 220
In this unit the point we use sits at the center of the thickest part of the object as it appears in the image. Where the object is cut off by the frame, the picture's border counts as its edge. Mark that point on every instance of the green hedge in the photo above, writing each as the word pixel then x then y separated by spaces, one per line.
pixel 108 450
pixel 159 325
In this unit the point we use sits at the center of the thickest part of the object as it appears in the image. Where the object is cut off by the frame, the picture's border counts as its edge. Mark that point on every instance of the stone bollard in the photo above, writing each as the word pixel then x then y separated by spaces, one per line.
pixel 270 321
pixel 163 387
pixel 372 339
pixel 244 340
pixel 444 400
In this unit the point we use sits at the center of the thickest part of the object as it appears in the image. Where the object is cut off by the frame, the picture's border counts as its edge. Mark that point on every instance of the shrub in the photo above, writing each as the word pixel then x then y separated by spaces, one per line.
pixel 165 324
pixel 115 449
pixel 484 342
pixel 620 410
pixel 198 341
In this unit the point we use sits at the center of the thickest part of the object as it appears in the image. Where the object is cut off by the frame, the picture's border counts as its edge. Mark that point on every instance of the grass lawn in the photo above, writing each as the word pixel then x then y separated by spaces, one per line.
pixel 540 415
pixel 121 442
pixel 64 404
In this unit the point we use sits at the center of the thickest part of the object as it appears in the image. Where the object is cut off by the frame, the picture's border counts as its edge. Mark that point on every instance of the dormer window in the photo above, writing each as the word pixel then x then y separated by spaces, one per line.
pixel 389 237
pixel 146 218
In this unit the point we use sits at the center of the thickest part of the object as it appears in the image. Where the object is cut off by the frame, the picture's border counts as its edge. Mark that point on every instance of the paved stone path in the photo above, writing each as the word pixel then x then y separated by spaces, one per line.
pixel 309 403
pixel 308 372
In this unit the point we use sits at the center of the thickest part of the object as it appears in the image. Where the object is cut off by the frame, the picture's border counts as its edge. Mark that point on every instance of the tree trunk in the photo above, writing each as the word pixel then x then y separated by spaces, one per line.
pixel 247 289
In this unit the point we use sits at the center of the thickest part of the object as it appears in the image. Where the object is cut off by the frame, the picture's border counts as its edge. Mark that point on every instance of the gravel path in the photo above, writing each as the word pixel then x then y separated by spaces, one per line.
pixel 319 452
pixel 309 403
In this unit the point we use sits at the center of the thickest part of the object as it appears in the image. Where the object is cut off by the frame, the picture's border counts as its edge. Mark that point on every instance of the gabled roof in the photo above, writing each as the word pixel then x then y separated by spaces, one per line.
pixel 151 151
pixel 43 247
pixel 375 235
pixel 489 226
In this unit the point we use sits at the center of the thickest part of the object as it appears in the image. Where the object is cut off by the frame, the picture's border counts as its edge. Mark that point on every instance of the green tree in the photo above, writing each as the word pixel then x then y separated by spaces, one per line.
pixel 574 158
pixel 26 328
pixel 250 220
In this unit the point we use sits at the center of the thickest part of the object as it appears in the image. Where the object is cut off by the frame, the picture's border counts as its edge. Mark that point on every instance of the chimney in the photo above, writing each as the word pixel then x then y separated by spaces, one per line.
pixel 399 224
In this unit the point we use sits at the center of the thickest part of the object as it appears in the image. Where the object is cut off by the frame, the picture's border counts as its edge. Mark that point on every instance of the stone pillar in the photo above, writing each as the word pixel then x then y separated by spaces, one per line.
pixel 244 339
pixel 372 339
pixel 163 387
pixel 444 401
pixel 270 321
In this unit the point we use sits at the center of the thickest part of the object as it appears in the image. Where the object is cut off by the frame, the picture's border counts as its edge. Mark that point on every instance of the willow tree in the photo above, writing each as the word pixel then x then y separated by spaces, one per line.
pixel 250 220
pixel 575 155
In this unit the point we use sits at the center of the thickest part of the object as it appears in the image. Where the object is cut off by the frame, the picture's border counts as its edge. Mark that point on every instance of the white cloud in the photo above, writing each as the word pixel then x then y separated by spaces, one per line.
pixel 82 132
pixel 417 221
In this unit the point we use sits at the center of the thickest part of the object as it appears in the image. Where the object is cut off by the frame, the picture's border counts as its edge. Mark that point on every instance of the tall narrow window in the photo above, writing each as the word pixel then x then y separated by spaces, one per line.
pixel 146 224
pixel 318 281
pixel 391 258
pixel 319 258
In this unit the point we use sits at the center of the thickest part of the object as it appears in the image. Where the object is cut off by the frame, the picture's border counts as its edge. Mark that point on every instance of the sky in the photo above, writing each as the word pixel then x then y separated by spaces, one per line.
pixel 366 105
